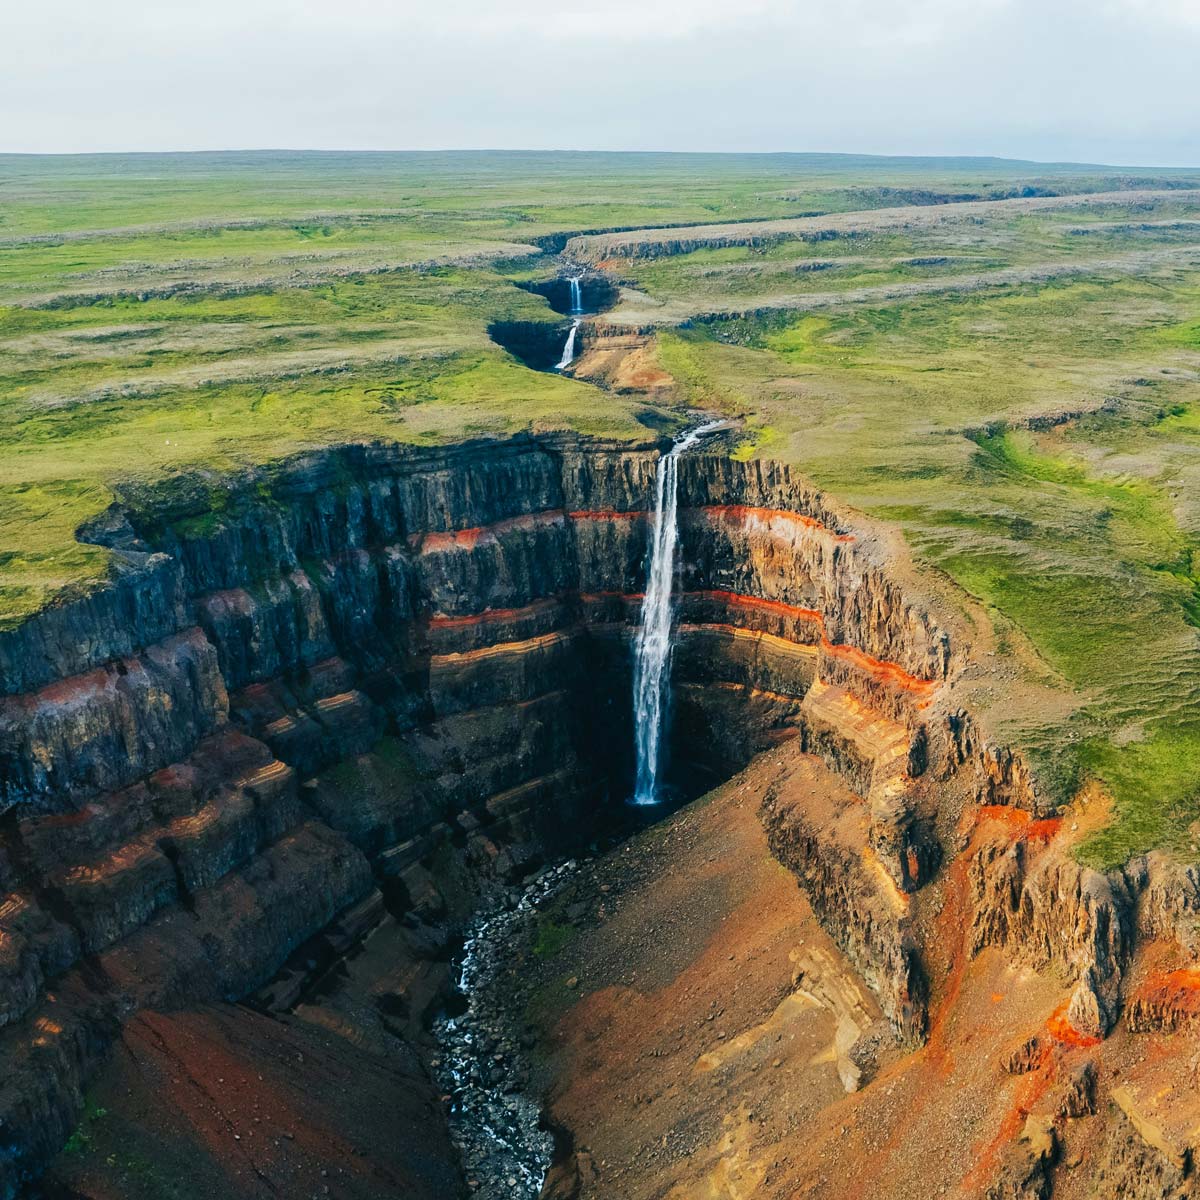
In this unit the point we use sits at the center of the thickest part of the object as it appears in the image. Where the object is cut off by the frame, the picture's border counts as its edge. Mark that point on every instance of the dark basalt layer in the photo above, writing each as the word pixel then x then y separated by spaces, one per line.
pixel 538 344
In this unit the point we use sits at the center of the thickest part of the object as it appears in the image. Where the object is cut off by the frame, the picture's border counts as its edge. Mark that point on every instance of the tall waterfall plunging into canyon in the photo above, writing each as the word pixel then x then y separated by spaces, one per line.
pixel 568 354
pixel 652 648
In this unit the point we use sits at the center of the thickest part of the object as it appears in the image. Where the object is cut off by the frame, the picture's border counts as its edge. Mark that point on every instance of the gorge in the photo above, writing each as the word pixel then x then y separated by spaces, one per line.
pixel 171 746
pixel 428 769
pixel 334 704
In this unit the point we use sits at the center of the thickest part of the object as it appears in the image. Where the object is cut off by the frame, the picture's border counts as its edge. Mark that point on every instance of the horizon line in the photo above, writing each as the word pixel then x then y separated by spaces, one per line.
pixel 518 150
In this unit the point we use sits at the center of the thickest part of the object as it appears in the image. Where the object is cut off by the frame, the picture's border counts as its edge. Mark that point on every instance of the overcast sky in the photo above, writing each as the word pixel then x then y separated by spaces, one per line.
pixel 1113 81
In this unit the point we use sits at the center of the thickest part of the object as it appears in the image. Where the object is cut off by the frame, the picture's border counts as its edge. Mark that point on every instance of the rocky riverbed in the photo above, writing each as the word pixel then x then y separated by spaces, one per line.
pixel 497 1127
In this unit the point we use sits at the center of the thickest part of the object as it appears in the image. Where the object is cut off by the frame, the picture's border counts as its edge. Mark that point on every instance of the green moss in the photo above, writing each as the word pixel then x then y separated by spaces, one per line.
pixel 754 440
pixel 83 1139
pixel 389 764
pixel 552 936
pixel 1185 334
pixel 1155 783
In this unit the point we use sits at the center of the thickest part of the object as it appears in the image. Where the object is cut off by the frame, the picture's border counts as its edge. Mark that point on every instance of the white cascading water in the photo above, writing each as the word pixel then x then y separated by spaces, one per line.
pixel 652 649
pixel 568 354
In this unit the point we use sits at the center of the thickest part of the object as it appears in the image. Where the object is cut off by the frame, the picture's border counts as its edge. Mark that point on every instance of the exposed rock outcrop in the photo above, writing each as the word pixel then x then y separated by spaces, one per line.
pixel 1137 1167
pixel 1050 909
pixel 821 838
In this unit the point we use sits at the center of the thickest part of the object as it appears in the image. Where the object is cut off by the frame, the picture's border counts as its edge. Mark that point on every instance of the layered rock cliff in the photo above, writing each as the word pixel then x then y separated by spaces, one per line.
pixel 302 685
pixel 459 616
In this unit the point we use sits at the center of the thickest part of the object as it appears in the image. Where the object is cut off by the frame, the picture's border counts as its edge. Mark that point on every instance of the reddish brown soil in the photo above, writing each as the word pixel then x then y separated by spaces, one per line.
pixel 688 1060
pixel 224 1103
pixel 690 1023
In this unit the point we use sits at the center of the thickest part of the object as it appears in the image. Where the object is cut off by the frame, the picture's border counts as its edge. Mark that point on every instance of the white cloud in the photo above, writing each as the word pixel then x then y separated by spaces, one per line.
pixel 549 20
pixel 1097 79
pixel 1179 13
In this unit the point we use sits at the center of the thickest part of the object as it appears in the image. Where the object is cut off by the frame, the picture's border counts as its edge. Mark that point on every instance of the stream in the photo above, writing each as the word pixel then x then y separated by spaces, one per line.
pixel 494 1124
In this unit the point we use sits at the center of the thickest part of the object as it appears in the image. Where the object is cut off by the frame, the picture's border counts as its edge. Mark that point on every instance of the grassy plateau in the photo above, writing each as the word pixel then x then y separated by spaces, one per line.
pixel 1001 359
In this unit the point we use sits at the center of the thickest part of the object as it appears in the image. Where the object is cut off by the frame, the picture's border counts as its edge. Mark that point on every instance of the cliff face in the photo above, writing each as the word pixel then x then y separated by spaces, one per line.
pixel 297 688
pixel 458 616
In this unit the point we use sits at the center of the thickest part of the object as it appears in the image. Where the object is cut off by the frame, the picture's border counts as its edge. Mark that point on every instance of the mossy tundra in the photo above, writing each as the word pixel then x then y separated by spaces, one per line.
pixel 1018 391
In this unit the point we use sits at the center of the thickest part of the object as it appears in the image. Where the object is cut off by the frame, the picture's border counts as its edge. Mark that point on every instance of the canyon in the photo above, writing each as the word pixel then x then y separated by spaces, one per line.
pixel 359 550
pixel 253 787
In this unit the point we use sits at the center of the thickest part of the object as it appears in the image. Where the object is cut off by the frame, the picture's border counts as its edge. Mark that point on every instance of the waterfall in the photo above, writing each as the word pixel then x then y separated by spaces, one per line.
pixel 652 649
pixel 568 354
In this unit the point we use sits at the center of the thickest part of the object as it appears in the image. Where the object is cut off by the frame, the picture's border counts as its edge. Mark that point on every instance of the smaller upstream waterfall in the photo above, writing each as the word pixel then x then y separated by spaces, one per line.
pixel 652 649
pixel 568 354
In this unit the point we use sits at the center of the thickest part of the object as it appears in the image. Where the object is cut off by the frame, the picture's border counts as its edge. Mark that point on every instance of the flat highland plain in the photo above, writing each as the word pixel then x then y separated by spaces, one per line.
pixel 999 359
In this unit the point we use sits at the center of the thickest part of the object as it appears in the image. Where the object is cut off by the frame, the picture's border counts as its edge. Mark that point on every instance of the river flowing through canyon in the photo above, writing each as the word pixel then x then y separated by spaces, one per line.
pixel 495 1125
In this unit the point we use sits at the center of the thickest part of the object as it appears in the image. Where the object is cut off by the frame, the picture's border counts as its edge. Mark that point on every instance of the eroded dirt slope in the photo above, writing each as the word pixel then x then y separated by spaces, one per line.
pixel 703 1037
pixel 221 1102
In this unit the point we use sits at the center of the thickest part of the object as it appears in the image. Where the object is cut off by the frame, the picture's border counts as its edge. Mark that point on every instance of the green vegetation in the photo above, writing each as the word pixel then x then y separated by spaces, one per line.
pixel 552 936
pixel 111 1142
pixel 217 382
pixel 1038 447
pixel 1019 391
pixel 81 1141
pixel 389 768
